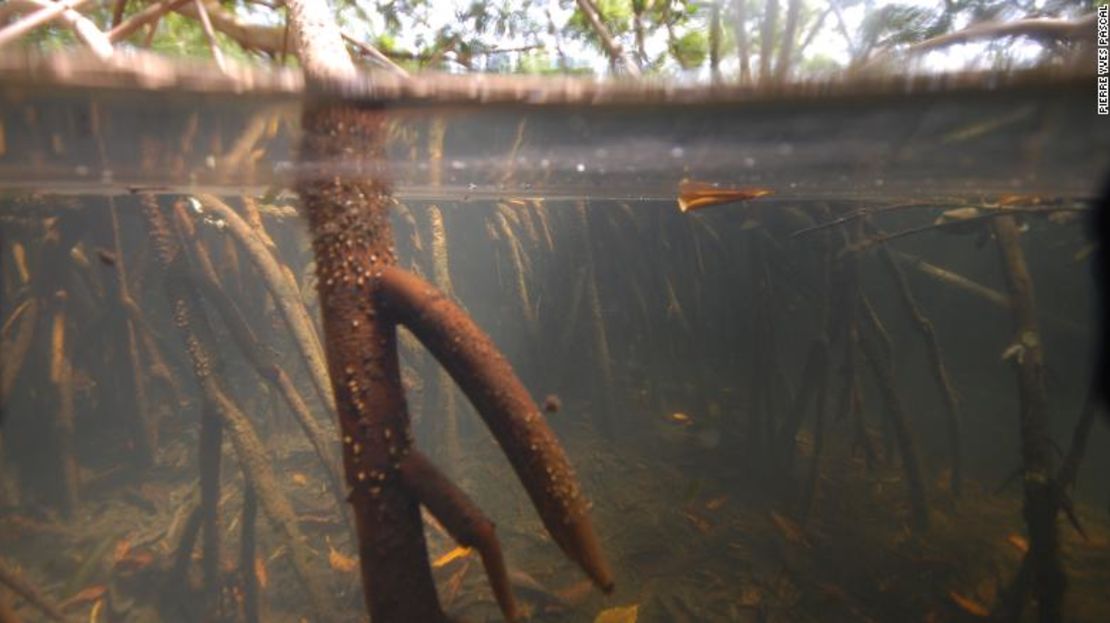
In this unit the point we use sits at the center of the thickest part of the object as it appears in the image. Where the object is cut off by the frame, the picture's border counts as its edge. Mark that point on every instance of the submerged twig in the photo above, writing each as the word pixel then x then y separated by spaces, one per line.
pixel 19 585
pixel 1041 493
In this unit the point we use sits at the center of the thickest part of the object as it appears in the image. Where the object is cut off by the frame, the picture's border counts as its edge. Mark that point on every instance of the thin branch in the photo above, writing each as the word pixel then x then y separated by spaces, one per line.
pixel 612 46
pixel 142 18
pixel 209 34
pixel 376 55
pixel 49 12
pixel 1042 28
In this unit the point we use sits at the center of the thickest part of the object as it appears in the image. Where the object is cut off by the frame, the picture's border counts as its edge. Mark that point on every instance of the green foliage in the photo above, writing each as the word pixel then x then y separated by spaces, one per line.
pixel 691 49
pixel 661 36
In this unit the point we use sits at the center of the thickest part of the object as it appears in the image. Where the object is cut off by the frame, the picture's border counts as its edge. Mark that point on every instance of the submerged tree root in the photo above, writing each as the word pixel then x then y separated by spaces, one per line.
pixel 286 297
pixel 1042 497
pixel 257 471
pixel 19 585
pixel 364 298
pixel 936 362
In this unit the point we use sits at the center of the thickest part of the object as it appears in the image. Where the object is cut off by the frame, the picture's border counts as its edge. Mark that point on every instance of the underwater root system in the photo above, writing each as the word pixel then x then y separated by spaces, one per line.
pixel 364 297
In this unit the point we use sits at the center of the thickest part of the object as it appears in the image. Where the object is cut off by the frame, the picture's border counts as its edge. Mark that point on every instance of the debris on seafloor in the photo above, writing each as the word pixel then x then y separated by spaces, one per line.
pixel 716 502
pixel 621 614
pixel 552 404
pixel 969 605
pixel 694 195
pixel 702 524
pixel 451 556
pixel 340 561
pixel 260 572
pixel 789 530
pixel 1019 542
pixel 85 595
pixel 678 417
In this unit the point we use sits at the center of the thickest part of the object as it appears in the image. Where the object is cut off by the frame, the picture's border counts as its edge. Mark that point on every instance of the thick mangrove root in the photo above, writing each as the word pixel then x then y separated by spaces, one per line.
pixel 936 364
pixel 363 298
pixel 197 334
pixel 1041 492
pixel 285 294
pixel 514 419
pixel 896 418
pixel 463 520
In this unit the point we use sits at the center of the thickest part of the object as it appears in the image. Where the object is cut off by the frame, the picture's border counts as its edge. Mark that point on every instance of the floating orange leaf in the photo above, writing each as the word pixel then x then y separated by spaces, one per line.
pixel 299 479
pixel 94 612
pixel 1018 541
pixel 969 605
pixel 697 195
pixel 260 572
pixel 340 562
pixel 455 554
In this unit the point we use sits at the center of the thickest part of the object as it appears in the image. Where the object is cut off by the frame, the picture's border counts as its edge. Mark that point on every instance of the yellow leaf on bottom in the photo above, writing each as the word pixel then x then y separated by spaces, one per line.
pixel 623 614
pixel 260 572
pixel 969 605
pixel 339 562
pixel 458 552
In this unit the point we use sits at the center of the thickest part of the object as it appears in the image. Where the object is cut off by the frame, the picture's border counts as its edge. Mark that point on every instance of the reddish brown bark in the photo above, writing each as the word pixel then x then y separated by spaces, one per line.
pixel 364 296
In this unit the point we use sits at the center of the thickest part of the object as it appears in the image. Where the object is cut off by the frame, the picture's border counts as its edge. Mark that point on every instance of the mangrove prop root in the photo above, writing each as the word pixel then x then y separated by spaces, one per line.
pixel 286 296
pixel 463 520
pixel 14 580
pixel 197 334
pixel 247 555
pixel 146 426
pixel 899 423
pixel 266 366
pixel 15 351
pixel 64 426
pixel 487 379
pixel 813 378
pixel 444 393
pixel 936 362
pixel 1041 493
pixel 1069 467
pixel 209 457
pixel 177 576
pixel 352 239
pixel 363 297
pixel 602 413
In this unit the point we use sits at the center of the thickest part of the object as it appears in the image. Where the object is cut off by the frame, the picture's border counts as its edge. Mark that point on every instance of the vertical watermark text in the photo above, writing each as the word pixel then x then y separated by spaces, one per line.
pixel 1102 56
